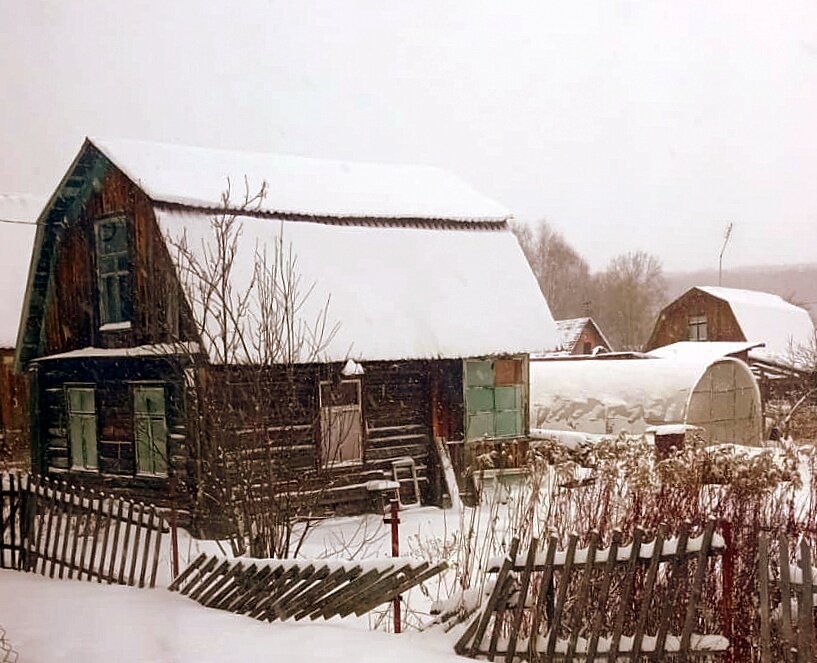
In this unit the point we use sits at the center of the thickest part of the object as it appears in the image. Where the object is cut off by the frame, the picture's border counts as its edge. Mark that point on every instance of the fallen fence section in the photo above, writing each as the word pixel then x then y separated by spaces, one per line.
pixel 578 603
pixel 298 589
pixel 787 602
pixel 61 531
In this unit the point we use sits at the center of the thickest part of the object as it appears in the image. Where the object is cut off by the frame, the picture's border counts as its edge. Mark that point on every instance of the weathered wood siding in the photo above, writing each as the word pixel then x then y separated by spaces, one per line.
pixel 113 380
pixel 673 322
pixel 14 449
pixel 72 311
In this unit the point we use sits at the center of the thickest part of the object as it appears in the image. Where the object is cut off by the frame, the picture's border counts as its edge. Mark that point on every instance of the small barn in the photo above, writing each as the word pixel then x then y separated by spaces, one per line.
pixel 610 396
pixel 412 300
pixel 18 212
pixel 708 313
pixel 580 336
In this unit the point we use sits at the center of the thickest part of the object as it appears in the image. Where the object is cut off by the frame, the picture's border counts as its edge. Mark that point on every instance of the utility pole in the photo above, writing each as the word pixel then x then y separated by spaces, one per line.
pixel 726 237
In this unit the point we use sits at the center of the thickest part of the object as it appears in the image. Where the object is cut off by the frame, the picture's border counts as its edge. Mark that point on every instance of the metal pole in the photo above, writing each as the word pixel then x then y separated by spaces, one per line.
pixel 394 520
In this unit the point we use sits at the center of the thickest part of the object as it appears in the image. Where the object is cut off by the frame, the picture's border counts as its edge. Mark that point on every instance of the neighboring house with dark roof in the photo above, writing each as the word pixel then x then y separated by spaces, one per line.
pixel 17 215
pixel 708 313
pixel 580 336
pixel 429 305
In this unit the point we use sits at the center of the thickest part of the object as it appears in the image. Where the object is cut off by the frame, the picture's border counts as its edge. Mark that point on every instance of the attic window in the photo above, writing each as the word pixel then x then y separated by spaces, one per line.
pixel 113 271
pixel 697 328
pixel 494 396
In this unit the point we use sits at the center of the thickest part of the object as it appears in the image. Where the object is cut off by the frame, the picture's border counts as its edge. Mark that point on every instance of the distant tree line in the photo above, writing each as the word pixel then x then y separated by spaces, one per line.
pixel 623 299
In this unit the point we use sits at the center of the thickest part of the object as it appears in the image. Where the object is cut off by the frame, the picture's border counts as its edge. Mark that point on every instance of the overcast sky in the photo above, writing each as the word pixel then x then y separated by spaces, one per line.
pixel 627 125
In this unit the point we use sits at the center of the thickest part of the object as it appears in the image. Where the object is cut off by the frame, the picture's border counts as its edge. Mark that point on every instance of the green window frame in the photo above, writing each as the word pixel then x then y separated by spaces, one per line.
pixel 150 430
pixel 494 398
pixel 113 262
pixel 82 426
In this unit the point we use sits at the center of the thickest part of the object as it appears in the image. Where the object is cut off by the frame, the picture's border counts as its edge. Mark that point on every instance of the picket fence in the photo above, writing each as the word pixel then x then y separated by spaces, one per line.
pixel 60 531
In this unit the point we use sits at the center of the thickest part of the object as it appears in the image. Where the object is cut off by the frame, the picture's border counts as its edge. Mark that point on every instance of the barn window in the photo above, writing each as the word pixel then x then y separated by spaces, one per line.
pixel 494 396
pixel 341 422
pixel 82 434
pixel 113 271
pixel 150 430
pixel 697 328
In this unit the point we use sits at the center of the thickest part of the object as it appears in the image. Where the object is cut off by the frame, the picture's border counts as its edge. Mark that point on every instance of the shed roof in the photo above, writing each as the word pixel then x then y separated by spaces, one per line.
pixel 570 331
pixel 18 212
pixel 394 292
pixel 196 177
pixel 703 350
pixel 767 318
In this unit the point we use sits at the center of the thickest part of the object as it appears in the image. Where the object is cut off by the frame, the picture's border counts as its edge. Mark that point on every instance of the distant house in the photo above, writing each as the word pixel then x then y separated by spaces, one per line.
pixel 580 336
pixel 17 215
pixel 707 313
pixel 435 306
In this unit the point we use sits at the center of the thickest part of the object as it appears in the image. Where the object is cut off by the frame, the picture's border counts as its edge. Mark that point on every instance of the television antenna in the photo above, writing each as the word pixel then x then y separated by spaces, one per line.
pixel 726 237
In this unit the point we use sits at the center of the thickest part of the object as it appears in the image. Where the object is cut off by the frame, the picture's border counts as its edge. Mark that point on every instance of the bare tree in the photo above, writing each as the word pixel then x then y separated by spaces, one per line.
pixel 562 274
pixel 628 295
pixel 255 393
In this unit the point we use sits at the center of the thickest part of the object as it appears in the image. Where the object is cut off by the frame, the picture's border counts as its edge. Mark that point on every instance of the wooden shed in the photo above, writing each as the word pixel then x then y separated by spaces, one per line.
pixel 18 213
pixel 423 301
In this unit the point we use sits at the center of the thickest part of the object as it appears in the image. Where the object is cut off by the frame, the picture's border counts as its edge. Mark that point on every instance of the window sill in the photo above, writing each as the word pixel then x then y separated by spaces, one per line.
pixel 115 326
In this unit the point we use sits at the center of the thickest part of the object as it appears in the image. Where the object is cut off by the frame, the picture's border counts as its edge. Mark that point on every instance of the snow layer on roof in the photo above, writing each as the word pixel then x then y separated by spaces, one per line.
pixel 16 244
pixel 704 351
pixel 767 318
pixel 569 331
pixel 196 176
pixel 394 292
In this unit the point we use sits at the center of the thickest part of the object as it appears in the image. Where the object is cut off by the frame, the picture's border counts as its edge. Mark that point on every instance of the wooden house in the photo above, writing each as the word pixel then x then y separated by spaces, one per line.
pixel 17 215
pixel 581 336
pixel 426 306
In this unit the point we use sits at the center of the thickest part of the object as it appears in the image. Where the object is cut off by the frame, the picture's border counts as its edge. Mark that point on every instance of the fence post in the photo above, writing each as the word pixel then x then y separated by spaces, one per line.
pixel 174 534
pixel 393 519
pixel 728 560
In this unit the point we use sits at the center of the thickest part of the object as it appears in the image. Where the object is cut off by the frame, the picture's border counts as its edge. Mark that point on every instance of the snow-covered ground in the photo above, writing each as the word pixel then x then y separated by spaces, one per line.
pixel 50 621
pixel 67 620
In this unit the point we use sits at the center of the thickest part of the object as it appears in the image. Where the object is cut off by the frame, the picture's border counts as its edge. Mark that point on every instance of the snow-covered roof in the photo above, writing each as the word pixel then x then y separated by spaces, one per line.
pixel 196 177
pixel 394 292
pixel 570 331
pixel 704 351
pixel 768 319
pixel 16 242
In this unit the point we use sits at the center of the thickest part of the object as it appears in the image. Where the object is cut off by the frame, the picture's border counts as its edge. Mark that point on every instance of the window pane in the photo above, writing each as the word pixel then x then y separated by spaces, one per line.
pixel 479 399
pixel 149 400
pixel 508 371
pixel 150 429
pixel 480 424
pixel 89 441
pixel 508 398
pixel 113 236
pixel 158 429
pixel 508 423
pixel 479 374
pixel 345 393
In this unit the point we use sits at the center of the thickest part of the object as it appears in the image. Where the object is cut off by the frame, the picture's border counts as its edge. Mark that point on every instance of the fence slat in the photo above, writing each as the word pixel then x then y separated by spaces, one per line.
pixel 584 588
pixel 106 533
pixel 134 552
pixel 146 551
pixel 695 591
pixel 805 606
pixel 87 515
pixel 649 586
pixel 677 567
pixel 68 514
pixel 564 581
pixel 785 599
pixel 545 587
pixel 763 591
pixel 523 596
pixel 601 600
pixel 123 558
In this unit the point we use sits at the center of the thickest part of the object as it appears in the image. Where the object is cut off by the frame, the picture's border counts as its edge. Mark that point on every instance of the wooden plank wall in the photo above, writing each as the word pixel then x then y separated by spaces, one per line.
pixel 14 449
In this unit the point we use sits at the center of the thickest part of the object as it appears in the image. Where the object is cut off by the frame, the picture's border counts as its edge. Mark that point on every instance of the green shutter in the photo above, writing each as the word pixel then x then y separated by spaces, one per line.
pixel 82 427
pixel 150 430
pixel 479 399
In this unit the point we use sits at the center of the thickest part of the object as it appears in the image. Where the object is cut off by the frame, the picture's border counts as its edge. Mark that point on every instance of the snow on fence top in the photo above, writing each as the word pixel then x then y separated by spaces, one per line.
pixel 196 177
pixel 394 293
pixel 769 319
pixel 16 242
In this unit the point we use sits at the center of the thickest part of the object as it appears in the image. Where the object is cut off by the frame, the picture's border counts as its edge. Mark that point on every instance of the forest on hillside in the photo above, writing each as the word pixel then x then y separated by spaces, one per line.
pixel 625 297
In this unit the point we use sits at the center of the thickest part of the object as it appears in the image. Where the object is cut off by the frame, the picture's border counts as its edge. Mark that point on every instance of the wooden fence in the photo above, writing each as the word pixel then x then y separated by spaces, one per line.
pixel 787 631
pixel 299 589
pixel 579 603
pixel 60 531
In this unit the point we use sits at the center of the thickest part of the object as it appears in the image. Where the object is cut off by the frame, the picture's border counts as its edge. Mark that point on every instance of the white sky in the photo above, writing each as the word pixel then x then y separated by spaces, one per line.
pixel 628 125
